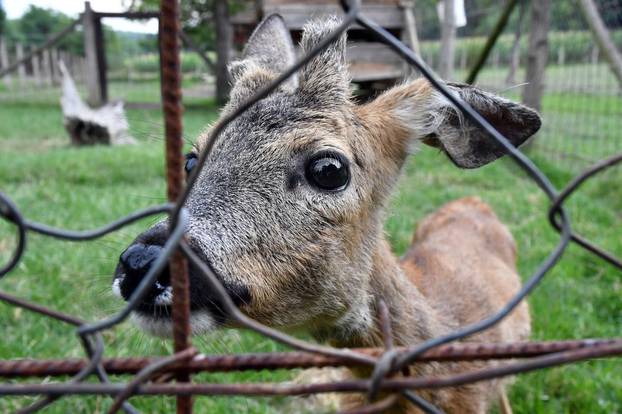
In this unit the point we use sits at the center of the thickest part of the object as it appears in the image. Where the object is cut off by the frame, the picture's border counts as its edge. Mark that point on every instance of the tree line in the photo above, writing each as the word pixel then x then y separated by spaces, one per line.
pixel 38 24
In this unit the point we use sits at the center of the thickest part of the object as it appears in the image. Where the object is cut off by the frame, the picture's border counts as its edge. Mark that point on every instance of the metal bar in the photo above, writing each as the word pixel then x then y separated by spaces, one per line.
pixel 171 103
pixel 256 389
pixel 492 39
pixel 40 309
pixel 130 15
pixel 145 374
pixel 290 360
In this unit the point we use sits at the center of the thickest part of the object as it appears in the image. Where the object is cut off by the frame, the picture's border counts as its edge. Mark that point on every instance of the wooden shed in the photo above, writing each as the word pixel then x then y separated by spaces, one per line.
pixel 372 64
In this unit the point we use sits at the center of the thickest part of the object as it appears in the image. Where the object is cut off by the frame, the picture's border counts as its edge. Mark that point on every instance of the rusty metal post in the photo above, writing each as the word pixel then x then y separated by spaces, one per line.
pixel 171 104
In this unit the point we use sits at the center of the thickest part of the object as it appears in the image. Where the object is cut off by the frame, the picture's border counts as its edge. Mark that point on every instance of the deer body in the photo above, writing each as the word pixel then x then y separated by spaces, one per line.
pixel 459 269
pixel 289 212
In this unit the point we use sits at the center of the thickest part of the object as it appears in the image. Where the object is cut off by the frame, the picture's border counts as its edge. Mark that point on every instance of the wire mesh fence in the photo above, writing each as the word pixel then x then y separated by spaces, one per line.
pixel 131 64
pixel 581 102
pixel 151 375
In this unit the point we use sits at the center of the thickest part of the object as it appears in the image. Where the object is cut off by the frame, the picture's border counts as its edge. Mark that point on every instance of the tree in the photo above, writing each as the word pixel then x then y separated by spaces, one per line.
pixel 38 24
pixel 206 22
pixel 197 18
pixel 224 43
pixel 2 19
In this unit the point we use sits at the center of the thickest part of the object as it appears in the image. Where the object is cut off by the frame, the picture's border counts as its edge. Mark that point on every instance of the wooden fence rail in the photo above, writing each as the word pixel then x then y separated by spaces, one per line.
pixel 35 65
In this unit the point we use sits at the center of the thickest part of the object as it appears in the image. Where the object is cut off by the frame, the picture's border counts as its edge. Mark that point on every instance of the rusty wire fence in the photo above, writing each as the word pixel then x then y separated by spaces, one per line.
pixel 385 364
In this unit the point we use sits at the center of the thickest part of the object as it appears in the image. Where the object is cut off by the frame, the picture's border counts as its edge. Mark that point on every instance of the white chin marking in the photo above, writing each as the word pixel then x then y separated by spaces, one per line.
pixel 164 298
pixel 200 323
pixel 116 286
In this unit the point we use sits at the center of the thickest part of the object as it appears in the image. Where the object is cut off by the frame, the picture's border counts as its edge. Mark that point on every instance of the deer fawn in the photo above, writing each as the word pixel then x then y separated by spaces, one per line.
pixel 289 211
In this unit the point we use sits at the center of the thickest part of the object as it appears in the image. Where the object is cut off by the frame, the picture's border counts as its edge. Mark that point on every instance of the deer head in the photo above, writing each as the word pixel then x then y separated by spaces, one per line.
pixel 289 206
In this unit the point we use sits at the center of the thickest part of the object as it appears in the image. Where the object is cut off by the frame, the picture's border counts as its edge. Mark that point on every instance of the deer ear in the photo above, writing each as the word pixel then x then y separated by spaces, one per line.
pixel 429 117
pixel 270 48
pixel 325 78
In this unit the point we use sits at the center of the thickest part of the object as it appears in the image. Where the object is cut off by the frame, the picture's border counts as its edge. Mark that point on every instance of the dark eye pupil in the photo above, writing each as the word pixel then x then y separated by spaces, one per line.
pixel 191 161
pixel 328 173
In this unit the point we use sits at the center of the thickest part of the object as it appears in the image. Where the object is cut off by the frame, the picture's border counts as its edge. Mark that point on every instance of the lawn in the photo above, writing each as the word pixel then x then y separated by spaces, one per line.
pixel 87 187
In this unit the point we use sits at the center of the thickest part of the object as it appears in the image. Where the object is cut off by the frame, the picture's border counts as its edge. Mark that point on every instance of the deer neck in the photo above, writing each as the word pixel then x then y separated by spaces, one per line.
pixel 413 320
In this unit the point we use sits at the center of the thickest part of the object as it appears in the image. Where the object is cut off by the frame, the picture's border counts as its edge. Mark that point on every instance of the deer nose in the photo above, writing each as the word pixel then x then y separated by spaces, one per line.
pixel 138 257
pixel 134 264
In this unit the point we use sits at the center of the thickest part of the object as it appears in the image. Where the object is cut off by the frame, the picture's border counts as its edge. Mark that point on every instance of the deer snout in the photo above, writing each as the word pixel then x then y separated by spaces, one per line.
pixel 135 263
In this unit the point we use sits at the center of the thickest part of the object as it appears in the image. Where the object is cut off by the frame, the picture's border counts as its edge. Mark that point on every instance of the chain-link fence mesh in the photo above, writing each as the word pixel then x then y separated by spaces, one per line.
pixel 581 102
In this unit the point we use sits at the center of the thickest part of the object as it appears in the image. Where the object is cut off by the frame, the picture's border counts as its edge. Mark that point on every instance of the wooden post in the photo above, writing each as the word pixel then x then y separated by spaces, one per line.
pixel 463 59
pixel 408 7
pixel 4 61
pixel 561 55
pixel 515 54
pixel 224 41
pixel 54 70
pixel 409 35
pixel 47 66
pixel 21 69
pixel 36 69
pixel 603 38
pixel 448 39
pixel 68 61
pixel 95 57
pixel 537 54
pixel 83 70
pixel 594 54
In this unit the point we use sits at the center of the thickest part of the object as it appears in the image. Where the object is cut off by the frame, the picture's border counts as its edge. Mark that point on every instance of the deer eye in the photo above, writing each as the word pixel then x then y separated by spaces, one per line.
pixel 191 161
pixel 328 171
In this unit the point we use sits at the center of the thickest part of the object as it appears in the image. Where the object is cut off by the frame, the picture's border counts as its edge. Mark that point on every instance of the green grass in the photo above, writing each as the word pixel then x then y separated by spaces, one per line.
pixel 88 187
